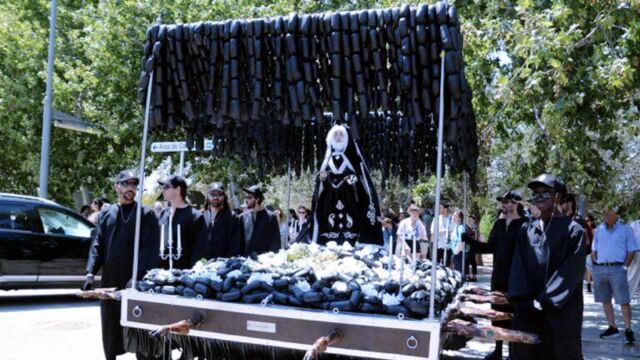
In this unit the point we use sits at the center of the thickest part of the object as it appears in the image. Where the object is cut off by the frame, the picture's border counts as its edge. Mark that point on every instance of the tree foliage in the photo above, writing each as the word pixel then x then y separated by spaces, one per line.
pixel 556 88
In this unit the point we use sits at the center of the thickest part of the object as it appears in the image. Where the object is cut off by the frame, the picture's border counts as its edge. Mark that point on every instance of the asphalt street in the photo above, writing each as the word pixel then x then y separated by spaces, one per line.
pixel 49 325
pixel 54 324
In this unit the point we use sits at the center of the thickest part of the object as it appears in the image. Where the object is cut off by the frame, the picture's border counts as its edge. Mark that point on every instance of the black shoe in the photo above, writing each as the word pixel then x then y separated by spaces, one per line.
pixel 495 355
pixel 610 333
pixel 628 337
pixel 588 287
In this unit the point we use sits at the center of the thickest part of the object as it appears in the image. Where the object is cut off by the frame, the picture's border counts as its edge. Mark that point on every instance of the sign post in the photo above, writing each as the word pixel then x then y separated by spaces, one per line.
pixel 177 146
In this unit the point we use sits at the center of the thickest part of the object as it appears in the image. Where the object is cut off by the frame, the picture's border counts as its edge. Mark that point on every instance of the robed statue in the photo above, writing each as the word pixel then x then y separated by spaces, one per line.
pixel 345 204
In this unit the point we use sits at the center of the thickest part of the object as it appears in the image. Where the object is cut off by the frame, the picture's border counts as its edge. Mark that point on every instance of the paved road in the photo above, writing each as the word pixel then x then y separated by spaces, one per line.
pixel 57 325
pixel 49 325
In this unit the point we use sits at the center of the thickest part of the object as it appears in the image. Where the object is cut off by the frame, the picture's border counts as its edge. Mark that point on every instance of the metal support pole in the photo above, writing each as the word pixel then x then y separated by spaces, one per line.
pixel 288 190
pixel 143 154
pixel 436 218
pixel 46 115
pixel 181 168
pixel 465 181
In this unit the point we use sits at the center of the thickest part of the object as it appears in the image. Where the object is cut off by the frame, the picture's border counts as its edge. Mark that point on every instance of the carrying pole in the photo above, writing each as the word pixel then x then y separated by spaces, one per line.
pixel 143 154
pixel 465 184
pixel 181 168
pixel 436 218
pixel 288 194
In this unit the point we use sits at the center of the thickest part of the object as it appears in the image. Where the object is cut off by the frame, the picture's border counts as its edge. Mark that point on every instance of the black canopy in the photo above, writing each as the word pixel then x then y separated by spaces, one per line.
pixel 260 86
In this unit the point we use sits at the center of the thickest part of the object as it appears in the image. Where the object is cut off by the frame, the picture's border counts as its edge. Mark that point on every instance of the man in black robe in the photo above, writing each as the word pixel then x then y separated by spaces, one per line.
pixel 261 229
pixel 345 203
pixel 179 215
pixel 112 251
pixel 546 278
pixel 501 244
pixel 222 234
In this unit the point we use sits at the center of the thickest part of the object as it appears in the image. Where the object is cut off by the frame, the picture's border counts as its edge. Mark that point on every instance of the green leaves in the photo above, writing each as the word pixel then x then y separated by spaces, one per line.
pixel 556 88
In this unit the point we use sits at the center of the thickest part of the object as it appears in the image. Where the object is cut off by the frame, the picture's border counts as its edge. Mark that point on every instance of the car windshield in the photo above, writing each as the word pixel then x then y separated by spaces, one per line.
pixel 58 222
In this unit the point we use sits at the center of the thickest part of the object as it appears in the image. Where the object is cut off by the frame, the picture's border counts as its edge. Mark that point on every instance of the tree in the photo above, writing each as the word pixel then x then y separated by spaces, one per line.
pixel 555 83
pixel 556 88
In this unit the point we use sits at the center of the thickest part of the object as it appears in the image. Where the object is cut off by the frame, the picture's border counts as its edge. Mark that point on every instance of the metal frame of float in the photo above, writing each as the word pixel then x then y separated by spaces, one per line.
pixel 365 335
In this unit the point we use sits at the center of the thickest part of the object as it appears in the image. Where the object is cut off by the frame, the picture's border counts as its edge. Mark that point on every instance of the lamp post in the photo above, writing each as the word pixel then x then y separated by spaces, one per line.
pixel 46 116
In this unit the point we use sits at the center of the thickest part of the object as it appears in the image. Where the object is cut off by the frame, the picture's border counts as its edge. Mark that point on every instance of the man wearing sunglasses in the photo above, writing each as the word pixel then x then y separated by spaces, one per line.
pixel 261 230
pixel 501 244
pixel 546 277
pixel 179 215
pixel 112 251
pixel 222 233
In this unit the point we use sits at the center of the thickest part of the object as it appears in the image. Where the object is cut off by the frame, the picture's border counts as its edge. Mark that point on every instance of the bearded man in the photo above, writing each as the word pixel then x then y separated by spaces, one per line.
pixel 261 229
pixel 222 235
pixel 112 251
pixel 345 204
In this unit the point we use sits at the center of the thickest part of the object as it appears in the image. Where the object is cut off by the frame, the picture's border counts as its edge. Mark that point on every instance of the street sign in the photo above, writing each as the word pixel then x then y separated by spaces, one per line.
pixel 177 146
pixel 68 121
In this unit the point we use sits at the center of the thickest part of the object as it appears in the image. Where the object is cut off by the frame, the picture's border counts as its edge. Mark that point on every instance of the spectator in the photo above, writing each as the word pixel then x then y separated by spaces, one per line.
pixel 444 231
pixel 302 217
pixel 568 207
pixel 614 246
pixel 85 211
pixel 96 207
pixel 589 227
pixel 471 230
pixel 284 227
pixel 633 274
pixel 458 244
pixel 389 229
pixel 411 229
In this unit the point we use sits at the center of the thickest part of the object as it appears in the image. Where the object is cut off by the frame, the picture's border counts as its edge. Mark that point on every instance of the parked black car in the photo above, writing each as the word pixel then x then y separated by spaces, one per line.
pixel 42 244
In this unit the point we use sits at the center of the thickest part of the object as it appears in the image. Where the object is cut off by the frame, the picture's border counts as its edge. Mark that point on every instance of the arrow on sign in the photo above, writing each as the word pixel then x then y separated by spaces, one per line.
pixel 177 146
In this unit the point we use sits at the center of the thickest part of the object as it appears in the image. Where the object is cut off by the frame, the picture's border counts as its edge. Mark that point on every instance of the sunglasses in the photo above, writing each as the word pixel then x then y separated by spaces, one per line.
pixel 539 196
pixel 167 186
pixel 128 183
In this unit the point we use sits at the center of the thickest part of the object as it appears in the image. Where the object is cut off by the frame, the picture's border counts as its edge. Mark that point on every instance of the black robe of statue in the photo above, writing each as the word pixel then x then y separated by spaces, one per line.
pixel 501 243
pixel 112 251
pixel 261 235
pixel 549 268
pixel 345 203
pixel 222 236
pixel 191 223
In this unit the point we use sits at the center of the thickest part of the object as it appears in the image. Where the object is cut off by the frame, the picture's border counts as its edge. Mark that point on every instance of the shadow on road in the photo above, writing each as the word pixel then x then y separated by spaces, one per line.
pixel 27 300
